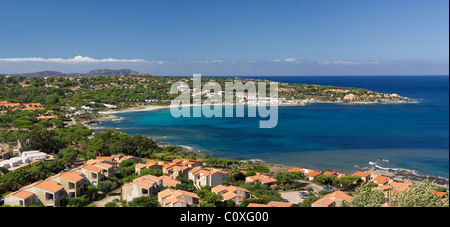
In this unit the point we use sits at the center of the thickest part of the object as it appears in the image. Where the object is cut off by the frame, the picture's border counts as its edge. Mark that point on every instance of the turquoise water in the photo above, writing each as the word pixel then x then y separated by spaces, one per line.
pixel 324 136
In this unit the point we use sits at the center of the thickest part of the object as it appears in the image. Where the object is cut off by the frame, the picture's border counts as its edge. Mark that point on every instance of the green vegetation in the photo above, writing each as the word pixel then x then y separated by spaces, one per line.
pixel 418 195
pixel 146 201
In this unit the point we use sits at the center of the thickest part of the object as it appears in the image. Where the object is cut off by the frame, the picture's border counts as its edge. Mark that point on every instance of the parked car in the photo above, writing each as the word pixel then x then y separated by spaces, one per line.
pixel 304 195
pixel 328 189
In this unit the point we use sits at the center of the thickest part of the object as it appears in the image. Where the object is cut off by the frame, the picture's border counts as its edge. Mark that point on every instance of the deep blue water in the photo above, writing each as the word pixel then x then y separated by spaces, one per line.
pixel 325 136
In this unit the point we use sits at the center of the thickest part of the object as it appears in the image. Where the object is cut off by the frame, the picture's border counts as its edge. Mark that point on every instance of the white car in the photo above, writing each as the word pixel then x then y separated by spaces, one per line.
pixel 304 195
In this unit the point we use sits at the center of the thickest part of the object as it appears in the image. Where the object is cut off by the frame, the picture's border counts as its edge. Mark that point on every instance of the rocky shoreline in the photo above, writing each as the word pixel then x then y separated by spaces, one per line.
pixel 406 175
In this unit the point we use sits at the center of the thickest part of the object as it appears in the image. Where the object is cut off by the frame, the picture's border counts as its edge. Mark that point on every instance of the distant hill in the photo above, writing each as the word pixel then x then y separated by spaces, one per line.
pixel 97 72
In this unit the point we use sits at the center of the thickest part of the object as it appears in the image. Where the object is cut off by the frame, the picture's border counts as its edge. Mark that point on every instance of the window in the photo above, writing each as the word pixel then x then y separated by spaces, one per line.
pixel 71 185
pixel 144 191
pixel 21 203
pixel 94 176
pixel 49 197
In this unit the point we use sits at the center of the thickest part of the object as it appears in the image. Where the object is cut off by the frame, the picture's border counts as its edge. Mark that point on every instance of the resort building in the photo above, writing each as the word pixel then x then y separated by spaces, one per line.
pixel 207 177
pixel 296 170
pixel 178 198
pixel 335 199
pixel 142 186
pixel 382 180
pixel 169 182
pixel 93 174
pixel 281 204
pixel 312 175
pixel 401 186
pixel 180 168
pixel 264 179
pixel 21 199
pixel 140 166
pixel 25 157
pixel 233 193
pixel 272 204
pixel 365 177
pixel 73 183
pixel 47 193
pixel 386 190
pixel 108 169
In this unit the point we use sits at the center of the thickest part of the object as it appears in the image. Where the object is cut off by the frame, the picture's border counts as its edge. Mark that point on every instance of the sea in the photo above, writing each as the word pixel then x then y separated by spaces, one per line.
pixel 338 137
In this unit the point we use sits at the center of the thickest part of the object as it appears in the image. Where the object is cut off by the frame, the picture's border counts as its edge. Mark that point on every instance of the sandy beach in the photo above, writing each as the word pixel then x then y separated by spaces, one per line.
pixel 134 109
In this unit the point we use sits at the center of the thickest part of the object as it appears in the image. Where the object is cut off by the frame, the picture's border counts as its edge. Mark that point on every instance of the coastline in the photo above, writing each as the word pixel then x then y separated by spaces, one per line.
pixel 298 103
pixel 396 174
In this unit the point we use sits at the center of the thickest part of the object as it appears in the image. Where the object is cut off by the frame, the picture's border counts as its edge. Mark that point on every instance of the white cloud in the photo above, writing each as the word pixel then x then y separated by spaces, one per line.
pixel 284 60
pixel 75 60
pixel 82 59
pixel 352 63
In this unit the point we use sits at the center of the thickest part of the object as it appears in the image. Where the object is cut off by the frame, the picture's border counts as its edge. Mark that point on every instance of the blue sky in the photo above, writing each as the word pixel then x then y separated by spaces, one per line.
pixel 245 37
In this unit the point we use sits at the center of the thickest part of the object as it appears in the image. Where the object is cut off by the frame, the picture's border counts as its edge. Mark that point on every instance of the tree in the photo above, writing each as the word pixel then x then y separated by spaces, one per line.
pixel 309 201
pixel 127 167
pixel 418 195
pixel 326 179
pixel 45 141
pixel 234 174
pixel 107 186
pixel 261 169
pixel 367 197
pixel 285 178
pixel 93 190
pixel 146 201
pixel 347 181
pixel 186 185
pixel 209 196
pixel 153 172
pixel 76 202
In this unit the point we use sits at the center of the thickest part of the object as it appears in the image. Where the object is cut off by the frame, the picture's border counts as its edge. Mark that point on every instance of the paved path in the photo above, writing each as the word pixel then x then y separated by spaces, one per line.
pixel 114 195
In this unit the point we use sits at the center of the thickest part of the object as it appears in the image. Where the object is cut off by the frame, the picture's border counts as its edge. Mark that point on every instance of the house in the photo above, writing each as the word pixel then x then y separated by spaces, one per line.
pixel 93 174
pixel 335 199
pixel 207 177
pixel 140 166
pixel 177 198
pixel 386 190
pixel 73 183
pixel 108 169
pixel 180 168
pixel 350 97
pixel 365 177
pixel 281 204
pixel 47 193
pixel 175 171
pixel 142 186
pixel 324 202
pixel 191 163
pixel 312 175
pixel 272 204
pixel 20 199
pixel 25 157
pixel 441 195
pixel 169 182
pixel 264 179
pixel 233 193
pixel 382 180
pixel 296 170
pixel 257 205
pixel 401 186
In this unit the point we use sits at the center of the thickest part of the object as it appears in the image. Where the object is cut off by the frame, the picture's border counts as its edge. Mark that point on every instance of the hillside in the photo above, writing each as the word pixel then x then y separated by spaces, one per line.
pixel 97 72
